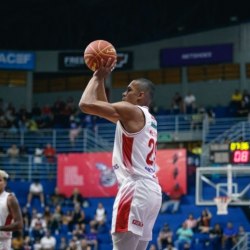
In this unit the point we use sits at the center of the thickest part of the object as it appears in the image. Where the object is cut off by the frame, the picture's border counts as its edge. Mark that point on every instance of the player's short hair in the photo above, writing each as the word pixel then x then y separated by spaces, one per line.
pixel 147 86
pixel 4 175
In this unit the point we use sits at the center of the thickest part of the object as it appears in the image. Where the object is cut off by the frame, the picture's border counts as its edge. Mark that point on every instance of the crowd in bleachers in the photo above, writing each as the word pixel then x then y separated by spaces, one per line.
pixel 66 114
pixel 61 114
pixel 59 222
pixel 198 233
pixel 62 223
pixel 77 223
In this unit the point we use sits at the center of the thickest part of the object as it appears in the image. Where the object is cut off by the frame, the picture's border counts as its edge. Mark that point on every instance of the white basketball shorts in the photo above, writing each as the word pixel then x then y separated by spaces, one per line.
pixel 136 207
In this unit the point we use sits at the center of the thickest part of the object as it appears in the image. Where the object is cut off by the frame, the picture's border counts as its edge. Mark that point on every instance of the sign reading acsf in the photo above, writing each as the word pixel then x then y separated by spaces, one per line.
pixel 17 60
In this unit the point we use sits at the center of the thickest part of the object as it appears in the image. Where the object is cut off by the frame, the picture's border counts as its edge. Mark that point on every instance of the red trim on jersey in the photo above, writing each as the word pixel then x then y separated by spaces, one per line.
pixel 122 217
pixel 127 145
pixel 8 220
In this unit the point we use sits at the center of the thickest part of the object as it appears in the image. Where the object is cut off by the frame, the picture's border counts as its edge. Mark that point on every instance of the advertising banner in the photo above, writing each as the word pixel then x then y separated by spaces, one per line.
pixel 172 165
pixel 220 53
pixel 75 61
pixel 17 60
pixel 93 175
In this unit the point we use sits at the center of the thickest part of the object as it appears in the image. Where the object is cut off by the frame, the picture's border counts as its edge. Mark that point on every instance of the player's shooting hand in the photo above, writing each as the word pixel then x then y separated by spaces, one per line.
pixel 105 69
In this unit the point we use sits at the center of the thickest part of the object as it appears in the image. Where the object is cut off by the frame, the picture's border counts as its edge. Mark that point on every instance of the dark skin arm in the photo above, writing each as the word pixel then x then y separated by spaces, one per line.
pixel 15 211
pixel 94 102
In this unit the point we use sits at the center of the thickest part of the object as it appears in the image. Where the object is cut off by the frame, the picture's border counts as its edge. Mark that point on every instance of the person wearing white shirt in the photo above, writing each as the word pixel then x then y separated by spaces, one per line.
pixel 48 242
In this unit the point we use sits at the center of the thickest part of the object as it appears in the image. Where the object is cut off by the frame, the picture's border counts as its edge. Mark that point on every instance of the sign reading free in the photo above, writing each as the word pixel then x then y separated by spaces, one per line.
pixel 17 60
pixel 75 61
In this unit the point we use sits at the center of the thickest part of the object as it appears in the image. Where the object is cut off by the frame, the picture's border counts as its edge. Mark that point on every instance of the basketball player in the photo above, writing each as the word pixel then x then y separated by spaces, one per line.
pixel 138 201
pixel 10 214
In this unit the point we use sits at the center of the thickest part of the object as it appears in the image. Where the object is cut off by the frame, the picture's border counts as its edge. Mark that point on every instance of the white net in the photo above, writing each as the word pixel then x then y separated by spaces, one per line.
pixel 222 204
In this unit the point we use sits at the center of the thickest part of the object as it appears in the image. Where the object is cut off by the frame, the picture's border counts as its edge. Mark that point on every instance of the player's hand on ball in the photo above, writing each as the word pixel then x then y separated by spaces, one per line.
pixel 106 67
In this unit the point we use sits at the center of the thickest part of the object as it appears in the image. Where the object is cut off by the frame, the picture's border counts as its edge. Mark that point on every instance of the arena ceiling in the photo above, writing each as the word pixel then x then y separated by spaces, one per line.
pixel 72 24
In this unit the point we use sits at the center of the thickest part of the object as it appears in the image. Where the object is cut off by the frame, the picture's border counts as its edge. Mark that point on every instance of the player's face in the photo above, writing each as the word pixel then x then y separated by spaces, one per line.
pixel 2 184
pixel 132 93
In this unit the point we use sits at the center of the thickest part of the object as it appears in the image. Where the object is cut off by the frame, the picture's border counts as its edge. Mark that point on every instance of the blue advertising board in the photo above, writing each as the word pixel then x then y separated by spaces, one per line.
pixel 17 60
pixel 184 56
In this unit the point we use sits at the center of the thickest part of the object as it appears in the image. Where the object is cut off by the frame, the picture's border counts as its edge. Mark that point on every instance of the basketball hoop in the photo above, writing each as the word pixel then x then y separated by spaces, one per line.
pixel 222 204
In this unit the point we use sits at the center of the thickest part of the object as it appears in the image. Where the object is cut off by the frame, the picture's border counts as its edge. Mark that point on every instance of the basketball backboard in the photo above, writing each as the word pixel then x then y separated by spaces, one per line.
pixel 227 181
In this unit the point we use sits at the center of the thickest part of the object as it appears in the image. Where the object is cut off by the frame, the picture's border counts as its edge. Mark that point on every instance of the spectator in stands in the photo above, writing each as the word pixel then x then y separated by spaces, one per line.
pixel 236 98
pixel 49 153
pixel 91 239
pixel 189 103
pixel 235 102
pixel 79 230
pixel 215 236
pixel 246 98
pixel 26 220
pixel 196 149
pixel 177 104
pixel 78 215
pixel 56 219
pixel 185 236
pixel 100 215
pixel 32 125
pixel 3 120
pixel 66 226
pixel 48 242
pixel 89 122
pixel 244 107
pixel 165 237
pixel 73 244
pixel 13 153
pixel 38 156
pixel 47 215
pixel 204 221
pixel 17 241
pixel 37 244
pixel 10 115
pixel 230 234
pixel 197 118
pixel 35 190
pixel 27 243
pixel 39 220
pixel 75 129
pixel 241 232
pixel 37 228
pixel 2 154
pixel 56 198
pixel 175 196
pixel 77 197
pixel 22 123
pixel 191 222
pixel 84 245
pixel 63 243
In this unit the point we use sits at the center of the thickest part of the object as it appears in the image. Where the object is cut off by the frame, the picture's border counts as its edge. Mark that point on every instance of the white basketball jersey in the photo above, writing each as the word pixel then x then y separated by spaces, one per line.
pixel 5 216
pixel 134 153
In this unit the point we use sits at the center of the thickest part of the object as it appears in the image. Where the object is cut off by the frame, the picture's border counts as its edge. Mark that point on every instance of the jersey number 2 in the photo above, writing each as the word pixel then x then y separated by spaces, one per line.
pixel 151 155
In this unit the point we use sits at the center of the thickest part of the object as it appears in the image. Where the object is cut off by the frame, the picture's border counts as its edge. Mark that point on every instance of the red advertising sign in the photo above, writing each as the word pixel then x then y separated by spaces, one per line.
pixel 172 165
pixel 93 175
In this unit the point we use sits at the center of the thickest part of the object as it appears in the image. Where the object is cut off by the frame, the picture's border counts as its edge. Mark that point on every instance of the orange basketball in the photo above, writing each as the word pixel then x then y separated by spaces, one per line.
pixel 97 50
